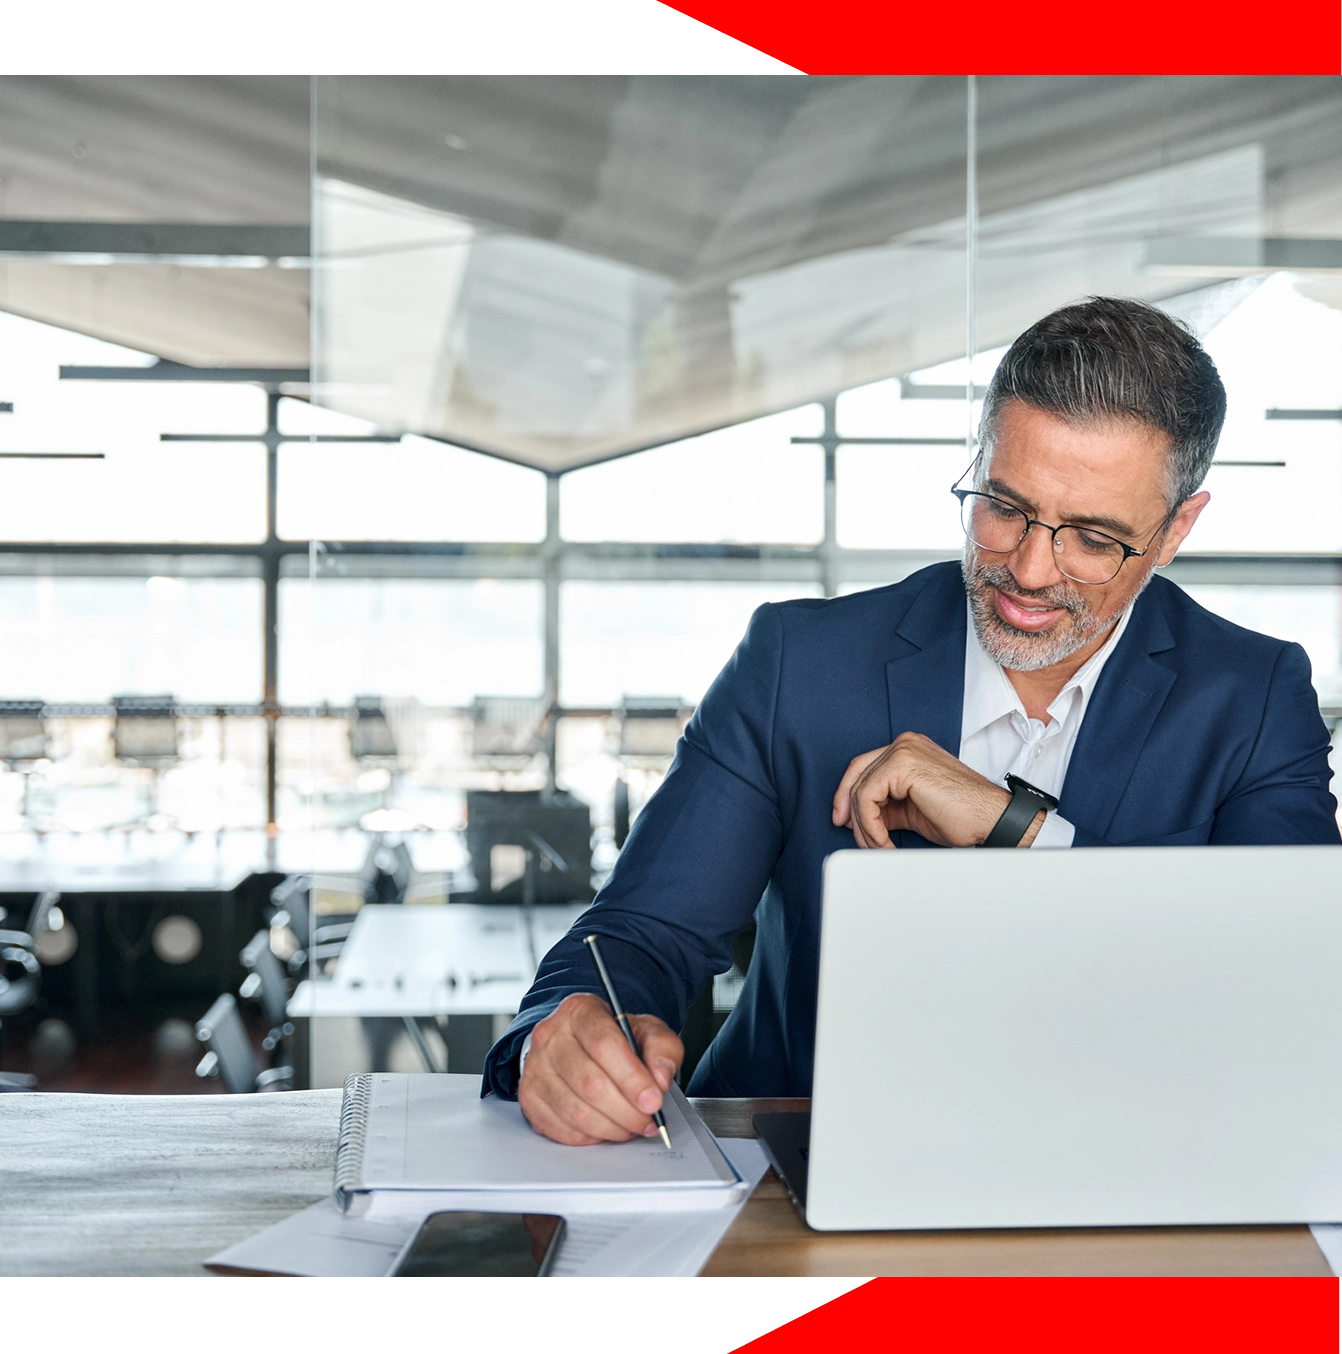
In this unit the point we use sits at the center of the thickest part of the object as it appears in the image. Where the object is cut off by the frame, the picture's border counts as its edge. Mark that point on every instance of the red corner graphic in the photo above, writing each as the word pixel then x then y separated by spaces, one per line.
pixel 1047 37
pixel 1065 1316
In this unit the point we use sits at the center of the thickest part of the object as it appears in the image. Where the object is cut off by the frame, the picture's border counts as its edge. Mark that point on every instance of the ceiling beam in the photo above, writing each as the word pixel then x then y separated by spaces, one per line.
pixel 180 371
pixel 1232 256
pixel 187 244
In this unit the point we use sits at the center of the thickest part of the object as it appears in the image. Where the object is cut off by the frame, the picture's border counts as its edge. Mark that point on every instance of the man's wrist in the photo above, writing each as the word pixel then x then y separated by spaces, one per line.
pixel 1022 817
pixel 1001 803
pixel 1034 829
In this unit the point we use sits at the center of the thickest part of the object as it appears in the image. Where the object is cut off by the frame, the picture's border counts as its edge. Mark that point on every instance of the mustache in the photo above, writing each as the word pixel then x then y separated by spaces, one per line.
pixel 1059 595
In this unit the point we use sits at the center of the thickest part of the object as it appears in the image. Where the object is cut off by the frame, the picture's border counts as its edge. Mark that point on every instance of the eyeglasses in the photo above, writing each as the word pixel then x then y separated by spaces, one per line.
pixel 1080 553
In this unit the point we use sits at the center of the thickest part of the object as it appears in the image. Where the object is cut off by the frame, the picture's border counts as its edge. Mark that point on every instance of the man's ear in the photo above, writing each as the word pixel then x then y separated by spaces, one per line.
pixel 1181 525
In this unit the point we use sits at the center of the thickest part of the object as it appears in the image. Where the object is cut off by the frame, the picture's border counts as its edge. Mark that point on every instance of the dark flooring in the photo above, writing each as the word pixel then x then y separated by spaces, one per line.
pixel 145 1049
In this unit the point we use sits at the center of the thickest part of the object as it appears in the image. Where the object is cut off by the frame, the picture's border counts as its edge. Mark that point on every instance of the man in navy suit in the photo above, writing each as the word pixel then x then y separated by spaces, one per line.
pixel 1120 711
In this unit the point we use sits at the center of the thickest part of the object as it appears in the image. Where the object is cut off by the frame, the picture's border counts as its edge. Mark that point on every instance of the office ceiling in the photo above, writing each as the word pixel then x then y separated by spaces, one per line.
pixel 160 148
pixel 561 269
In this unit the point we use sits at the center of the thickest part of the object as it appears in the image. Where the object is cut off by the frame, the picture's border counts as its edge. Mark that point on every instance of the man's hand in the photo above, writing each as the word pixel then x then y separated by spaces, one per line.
pixel 917 785
pixel 582 1084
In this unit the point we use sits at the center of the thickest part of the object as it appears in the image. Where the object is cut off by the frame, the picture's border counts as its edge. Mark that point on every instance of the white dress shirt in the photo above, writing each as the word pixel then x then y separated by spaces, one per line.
pixel 997 737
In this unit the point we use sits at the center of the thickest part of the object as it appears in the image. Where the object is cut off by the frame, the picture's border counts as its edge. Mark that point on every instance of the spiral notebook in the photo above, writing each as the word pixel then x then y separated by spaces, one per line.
pixel 421 1142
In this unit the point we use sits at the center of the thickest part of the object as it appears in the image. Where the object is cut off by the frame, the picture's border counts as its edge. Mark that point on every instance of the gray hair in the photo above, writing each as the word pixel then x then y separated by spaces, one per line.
pixel 1110 357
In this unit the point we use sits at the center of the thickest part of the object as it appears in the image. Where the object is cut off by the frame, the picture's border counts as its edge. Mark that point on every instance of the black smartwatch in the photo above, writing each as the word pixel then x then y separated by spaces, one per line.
pixel 1026 801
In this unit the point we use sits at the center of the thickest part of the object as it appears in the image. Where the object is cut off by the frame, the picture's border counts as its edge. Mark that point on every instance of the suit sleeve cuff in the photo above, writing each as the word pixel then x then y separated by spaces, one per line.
pixel 1055 832
pixel 503 1062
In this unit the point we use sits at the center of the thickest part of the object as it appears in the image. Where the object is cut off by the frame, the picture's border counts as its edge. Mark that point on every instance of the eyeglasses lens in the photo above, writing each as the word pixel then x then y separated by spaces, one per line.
pixel 1081 555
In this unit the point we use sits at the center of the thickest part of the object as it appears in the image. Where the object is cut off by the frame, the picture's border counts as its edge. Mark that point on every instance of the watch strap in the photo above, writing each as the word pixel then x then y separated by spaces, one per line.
pixel 1026 801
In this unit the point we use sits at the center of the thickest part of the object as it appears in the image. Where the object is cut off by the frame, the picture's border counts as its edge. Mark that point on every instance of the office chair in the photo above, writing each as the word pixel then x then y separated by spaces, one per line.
pixel 506 730
pixel 145 734
pixel 291 900
pixel 650 727
pixel 388 872
pixel 230 1056
pixel 23 742
pixel 145 730
pixel 370 737
pixel 266 982
pixel 21 978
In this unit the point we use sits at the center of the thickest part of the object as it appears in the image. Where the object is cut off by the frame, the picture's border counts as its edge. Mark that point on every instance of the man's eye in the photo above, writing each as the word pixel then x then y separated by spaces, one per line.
pixel 1003 510
pixel 1097 545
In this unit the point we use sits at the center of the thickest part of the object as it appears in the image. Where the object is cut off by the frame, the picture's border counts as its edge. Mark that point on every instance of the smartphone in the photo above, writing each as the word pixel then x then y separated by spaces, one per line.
pixel 482 1245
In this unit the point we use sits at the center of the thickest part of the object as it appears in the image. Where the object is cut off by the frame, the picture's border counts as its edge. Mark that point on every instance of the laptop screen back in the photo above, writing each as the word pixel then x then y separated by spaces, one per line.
pixel 1079 1038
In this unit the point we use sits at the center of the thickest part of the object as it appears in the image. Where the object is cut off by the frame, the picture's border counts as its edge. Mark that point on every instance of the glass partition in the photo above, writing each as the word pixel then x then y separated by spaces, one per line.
pixel 606 404
pixel 621 358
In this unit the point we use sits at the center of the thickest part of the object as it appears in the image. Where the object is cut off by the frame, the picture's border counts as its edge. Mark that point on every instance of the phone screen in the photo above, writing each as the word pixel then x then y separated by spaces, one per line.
pixel 482 1245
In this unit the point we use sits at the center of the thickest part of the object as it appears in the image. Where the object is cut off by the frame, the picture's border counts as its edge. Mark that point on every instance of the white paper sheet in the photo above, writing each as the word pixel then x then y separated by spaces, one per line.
pixel 323 1241
pixel 656 1245
pixel 1329 1239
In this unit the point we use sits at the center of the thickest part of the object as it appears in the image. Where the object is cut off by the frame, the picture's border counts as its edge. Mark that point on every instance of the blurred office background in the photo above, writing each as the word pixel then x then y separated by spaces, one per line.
pixel 388 464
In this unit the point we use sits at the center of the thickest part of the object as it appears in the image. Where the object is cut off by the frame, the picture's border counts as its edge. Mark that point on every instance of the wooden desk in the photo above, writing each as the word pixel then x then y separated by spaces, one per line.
pixel 118 1184
pixel 770 1239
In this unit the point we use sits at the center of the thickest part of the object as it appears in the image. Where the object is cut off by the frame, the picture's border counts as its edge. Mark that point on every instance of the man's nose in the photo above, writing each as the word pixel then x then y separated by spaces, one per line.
pixel 1033 562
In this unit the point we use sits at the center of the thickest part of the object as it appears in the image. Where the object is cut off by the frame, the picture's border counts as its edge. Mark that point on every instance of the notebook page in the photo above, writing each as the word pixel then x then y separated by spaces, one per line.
pixel 434 1132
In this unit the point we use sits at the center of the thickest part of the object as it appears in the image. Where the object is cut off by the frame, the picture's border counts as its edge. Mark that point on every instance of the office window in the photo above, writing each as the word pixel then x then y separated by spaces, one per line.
pixel 891 498
pixel 83 460
pixel 441 641
pixel 898 497
pixel 180 492
pixel 300 418
pixel 88 639
pixel 654 639
pixel 1276 483
pixel 413 490
pixel 745 483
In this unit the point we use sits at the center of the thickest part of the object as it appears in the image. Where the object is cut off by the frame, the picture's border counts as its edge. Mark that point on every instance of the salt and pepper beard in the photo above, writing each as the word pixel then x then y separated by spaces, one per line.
pixel 1020 650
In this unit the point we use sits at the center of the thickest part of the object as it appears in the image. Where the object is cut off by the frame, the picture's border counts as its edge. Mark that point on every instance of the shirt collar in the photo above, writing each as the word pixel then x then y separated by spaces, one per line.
pixel 989 694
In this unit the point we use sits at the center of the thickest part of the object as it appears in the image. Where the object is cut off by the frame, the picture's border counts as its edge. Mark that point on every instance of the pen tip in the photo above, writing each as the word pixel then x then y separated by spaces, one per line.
pixel 666 1137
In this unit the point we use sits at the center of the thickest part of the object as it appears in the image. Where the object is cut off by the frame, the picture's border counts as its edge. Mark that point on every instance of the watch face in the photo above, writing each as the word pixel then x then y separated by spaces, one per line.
pixel 1015 784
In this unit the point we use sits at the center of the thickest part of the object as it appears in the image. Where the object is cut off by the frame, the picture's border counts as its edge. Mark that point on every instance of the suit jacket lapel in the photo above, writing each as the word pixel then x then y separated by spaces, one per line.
pixel 1123 707
pixel 925 684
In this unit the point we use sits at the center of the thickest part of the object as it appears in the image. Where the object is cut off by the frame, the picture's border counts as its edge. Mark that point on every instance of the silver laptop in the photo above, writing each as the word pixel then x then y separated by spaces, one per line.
pixel 1079 1038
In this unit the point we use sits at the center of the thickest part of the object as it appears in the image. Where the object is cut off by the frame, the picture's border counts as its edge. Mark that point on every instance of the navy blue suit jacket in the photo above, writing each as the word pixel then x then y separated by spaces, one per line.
pixel 1197 732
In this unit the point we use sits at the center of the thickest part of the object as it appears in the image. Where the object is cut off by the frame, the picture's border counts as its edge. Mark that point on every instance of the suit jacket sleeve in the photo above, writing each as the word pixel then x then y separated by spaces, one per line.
pixel 694 867
pixel 1281 798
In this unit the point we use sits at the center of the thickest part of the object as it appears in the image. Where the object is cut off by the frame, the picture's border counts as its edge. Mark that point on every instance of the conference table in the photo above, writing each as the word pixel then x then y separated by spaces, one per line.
pixel 436 960
pixel 152 1185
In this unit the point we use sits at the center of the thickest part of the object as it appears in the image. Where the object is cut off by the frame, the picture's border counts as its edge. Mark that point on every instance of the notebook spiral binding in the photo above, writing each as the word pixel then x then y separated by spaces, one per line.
pixel 353 1132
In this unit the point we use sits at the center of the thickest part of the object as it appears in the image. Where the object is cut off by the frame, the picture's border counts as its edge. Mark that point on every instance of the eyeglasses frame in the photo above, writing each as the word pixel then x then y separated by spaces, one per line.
pixel 1129 552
